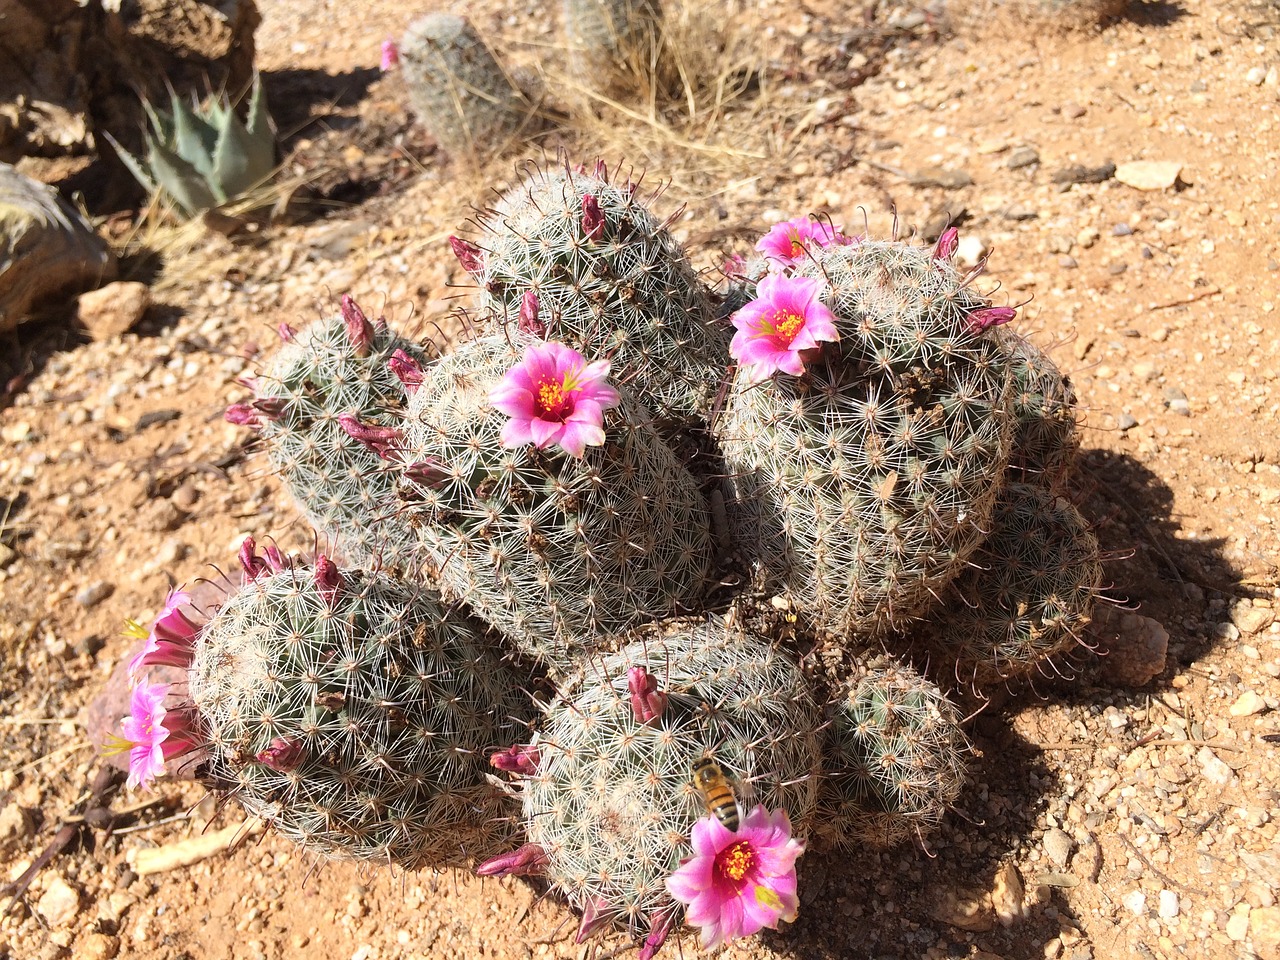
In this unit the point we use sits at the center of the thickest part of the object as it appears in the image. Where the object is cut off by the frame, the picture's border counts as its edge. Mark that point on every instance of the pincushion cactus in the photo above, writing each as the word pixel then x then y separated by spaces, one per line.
pixel 1046 436
pixel 608 798
pixel 554 549
pixel 353 712
pixel 1027 597
pixel 868 480
pixel 321 406
pixel 458 88
pixel 613 44
pixel 894 758
pixel 606 278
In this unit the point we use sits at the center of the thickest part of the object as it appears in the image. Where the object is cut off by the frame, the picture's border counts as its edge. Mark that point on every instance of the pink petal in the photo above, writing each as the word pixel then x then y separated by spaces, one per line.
pixel 690 879
pixel 516 433
pixel 545 432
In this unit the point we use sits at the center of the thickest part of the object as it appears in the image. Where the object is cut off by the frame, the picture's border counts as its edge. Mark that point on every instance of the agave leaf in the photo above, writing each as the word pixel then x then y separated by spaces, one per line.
pixel 237 162
pixel 194 138
pixel 131 163
pixel 180 179
pixel 161 124
pixel 261 129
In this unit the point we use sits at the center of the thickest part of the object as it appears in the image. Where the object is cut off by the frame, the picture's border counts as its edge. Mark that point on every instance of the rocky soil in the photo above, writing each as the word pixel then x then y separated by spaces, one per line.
pixel 1108 814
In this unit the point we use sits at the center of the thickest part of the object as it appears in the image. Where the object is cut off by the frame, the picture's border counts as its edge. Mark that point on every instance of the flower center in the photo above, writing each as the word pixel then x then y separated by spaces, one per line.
pixel 736 861
pixel 554 399
pixel 787 323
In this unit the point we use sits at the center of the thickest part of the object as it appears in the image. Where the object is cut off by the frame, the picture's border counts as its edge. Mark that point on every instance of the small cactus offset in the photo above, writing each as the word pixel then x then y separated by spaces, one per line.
pixel 895 759
pixel 609 799
pixel 328 409
pixel 205 157
pixel 458 89
pixel 612 43
pixel 556 549
pixel 352 711
pixel 1028 596
pixel 1046 435
pixel 869 455
pixel 574 258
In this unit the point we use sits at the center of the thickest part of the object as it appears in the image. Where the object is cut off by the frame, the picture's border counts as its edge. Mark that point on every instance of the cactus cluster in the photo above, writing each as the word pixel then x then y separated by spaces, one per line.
pixel 206 156
pixel 895 461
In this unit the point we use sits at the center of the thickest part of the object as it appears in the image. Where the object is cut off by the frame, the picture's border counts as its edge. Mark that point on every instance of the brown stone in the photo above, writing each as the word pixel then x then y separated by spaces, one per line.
pixel 112 310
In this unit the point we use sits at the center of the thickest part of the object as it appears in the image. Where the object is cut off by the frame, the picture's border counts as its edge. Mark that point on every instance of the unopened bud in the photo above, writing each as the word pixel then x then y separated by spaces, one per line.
pixel 282 755
pixel 381 440
pixel 242 415
pixel 592 218
pixel 528 859
pixel 529 322
pixel 286 332
pixel 328 579
pixel 469 255
pixel 407 370
pixel 985 317
pixel 429 473
pixel 947 244
pixel 647 701
pixel 359 329
pixel 519 759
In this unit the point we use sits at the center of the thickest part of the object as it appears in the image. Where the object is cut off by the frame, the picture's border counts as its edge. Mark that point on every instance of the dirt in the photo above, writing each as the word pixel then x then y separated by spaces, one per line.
pixel 1139 821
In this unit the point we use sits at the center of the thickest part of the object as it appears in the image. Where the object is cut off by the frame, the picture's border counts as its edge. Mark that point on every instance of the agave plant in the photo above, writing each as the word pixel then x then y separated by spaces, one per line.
pixel 205 156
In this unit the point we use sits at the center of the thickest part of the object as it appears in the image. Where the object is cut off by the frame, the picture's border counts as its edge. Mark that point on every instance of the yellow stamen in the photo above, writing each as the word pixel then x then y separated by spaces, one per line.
pixel 736 861
pixel 788 324
pixel 132 628
pixel 767 897
pixel 551 396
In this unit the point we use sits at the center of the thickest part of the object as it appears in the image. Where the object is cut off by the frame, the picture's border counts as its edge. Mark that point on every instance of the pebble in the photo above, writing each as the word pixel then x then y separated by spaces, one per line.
pixel 1250 619
pixel 1213 769
pixel 60 903
pixel 111 311
pixel 1248 704
pixel 1264 927
pixel 1137 646
pixel 963 911
pixel 1087 237
pixel 99 946
pixel 1007 895
pixel 15 822
pixel 1122 230
pixel 1135 902
pixel 1021 157
pixel 1067 263
pixel 1168 905
pixel 95 593
pixel 1018 213
pixel 1079 173
pixel 1255 76
pixel 1149 174
pixel 1126 421
pixel 1060 244
pixel 1057 846
pixel 1238 926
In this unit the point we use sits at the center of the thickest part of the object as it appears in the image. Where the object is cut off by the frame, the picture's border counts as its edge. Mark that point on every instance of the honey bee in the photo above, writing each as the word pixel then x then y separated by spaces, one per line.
pixel 716 789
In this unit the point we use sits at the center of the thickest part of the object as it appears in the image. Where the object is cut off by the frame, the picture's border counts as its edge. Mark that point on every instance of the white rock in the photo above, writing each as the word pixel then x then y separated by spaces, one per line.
pixel 60 903
pixel 971 249
pixel 1247 704
pixel 1168 908
pixel 1136 903
pixel 1214 770
pixel 1007 895
pixel 1149 174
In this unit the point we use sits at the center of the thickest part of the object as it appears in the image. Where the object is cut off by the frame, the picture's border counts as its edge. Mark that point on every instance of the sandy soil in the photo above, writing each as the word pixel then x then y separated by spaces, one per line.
pixel 1137 821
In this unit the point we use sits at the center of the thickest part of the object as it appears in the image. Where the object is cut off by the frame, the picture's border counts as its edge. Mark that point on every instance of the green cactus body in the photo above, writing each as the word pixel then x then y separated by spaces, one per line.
pixel 1046 436
pixel 345 490
pixel 1029 595
pixel 894 759
pixel 869 481
pixel 629 293
pixel 204 157
pixel 354 718
pixel 612 43
pixel 611 801
pixel 458 88
pixel 555 551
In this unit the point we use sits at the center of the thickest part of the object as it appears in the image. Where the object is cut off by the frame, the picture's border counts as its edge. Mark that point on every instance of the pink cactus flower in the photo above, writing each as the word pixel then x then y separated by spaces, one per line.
pixel 171 640
pixel 155 735
pixel 554 396
pixel 737 883
pixel 775 329
pixel 788 243
pixel 390 55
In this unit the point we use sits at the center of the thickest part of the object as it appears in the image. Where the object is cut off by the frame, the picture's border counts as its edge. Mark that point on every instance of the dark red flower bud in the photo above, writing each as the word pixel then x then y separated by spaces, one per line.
pixel 521 759
pixel 647 701
pixel 429 473
pixel 328 579
pixel 986 317
pixel 271 407
pixel 946 246
pixel 282 755
pixel 274 559
pixel 242 415
pixel 601 172
pixel 359 329
pixel 469 255
pixel 381 440
pixel 592 218
pixel 529 322
pixel 286 332
pixel 596 915
pixel 407 370
pixel 253 565
pixel 525 861
pixel 660 924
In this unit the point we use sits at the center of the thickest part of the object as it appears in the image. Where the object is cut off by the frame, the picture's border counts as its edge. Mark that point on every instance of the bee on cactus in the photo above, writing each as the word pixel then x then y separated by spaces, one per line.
pixel 716 789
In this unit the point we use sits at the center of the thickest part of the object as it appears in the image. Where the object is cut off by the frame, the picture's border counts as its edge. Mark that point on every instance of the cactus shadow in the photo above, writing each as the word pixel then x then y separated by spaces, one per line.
pixel 302 100
pixel 879 904
pixel 1153 13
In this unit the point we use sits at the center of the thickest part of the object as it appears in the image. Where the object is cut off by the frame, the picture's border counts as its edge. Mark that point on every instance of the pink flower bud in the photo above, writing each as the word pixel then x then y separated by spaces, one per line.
pixel 946 246
pixel 429 473
pixel 528 860
pixel 276 562
pixel 985 317
pixel 282 755
pixel 328 579
pixel 242 415
pixel 469 255
pixel 286 332
pixel 381 440
pixel 596 915
pixel 407 370
pixel 529 322
pixel 519 759
pixel 601 171
pixel 270 407
pixel 592 218
pixel 359 329
pixel 660 924
pixel 390 55
pixel 647 701
pixel 253 565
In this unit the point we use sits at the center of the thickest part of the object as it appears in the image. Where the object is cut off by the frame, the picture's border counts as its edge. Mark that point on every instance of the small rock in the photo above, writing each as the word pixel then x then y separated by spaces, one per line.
pixel 1059 244
pixel 1135 902
pixel 60 903
pixel 971 249
pixel 1073 111
pixel 964 911
pixel 1264 927
pixel 1248 704
pixel 1238 926
pixel 99 946
pixel 1057 847
pixel 1007 895
pixel 1122 230
pixel 1136 646
pixel 95 593
pixel 1079 173
pixel 1168 905
pixel 114 309
pixel 1213 769
pixel 7 555
pixel 1126 421
pixel 15 822
pixel 1149 174
pixel 1248 619
pixel 944 177
pixel 1021 157
pixel 1018 213
pixel 1087 237
pixel 186 496
pixel 1255 76
pixel 1067 263
pixel 160 516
